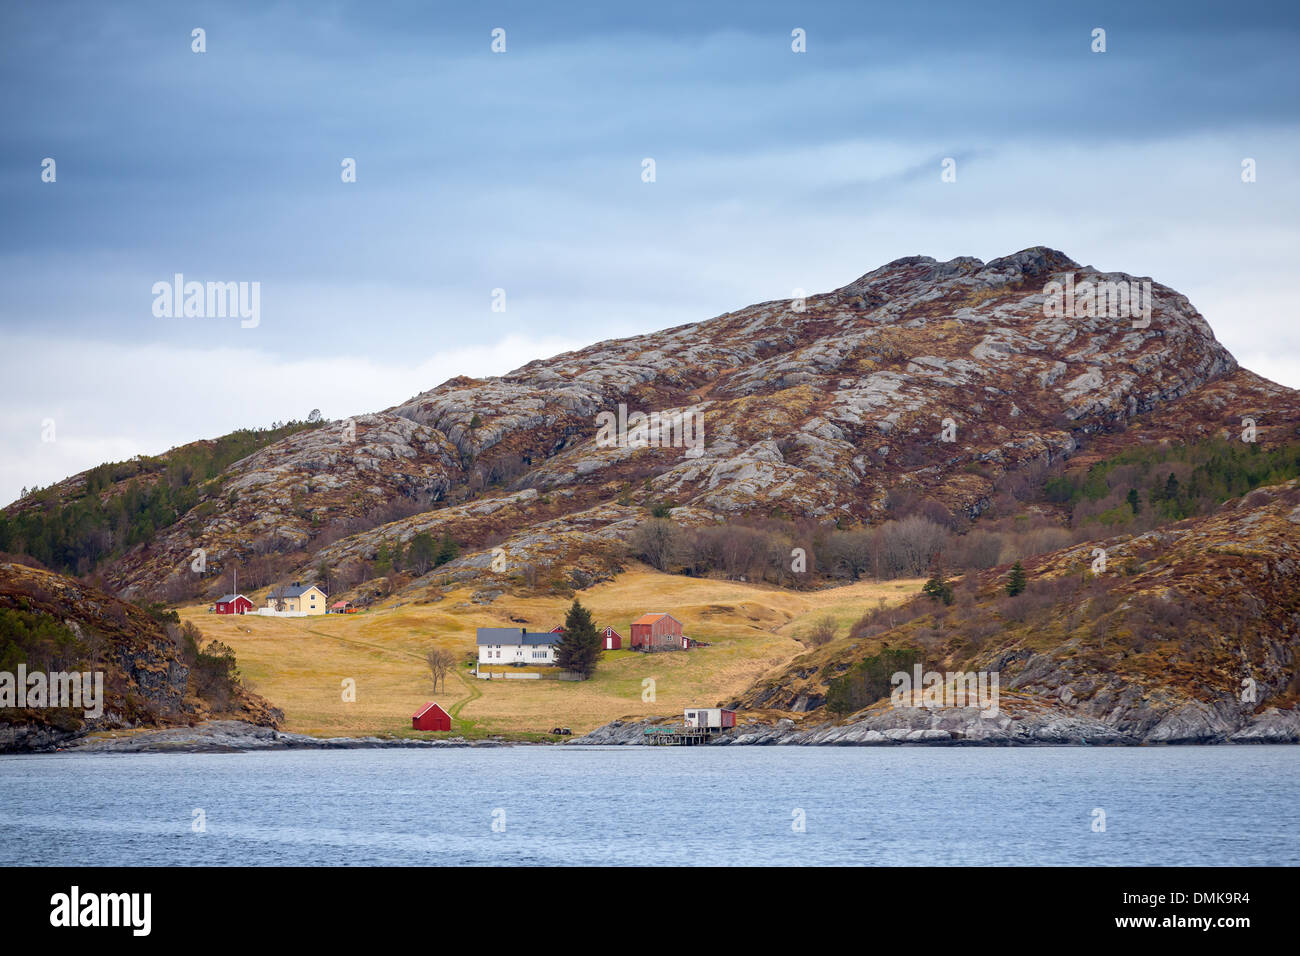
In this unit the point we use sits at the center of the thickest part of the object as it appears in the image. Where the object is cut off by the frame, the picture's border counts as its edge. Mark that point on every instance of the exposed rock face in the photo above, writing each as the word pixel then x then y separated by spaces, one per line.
pixel 1023 722
pixel 32 737
pixel 819 412
pixel 228 736
pixel 283 497
pixel 145 677
pixel 935 377
pixel 816 409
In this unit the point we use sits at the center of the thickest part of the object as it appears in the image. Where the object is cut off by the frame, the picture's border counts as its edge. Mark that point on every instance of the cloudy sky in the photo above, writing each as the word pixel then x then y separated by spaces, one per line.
pixel 522 171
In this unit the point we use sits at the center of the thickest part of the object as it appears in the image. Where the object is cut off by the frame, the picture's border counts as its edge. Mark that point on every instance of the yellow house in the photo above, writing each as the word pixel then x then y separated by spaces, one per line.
pixel 297 599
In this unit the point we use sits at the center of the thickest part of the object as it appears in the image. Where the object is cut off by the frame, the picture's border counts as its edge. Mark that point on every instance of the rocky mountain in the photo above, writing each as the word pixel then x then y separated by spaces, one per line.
pixel 151 677
pixel 938 378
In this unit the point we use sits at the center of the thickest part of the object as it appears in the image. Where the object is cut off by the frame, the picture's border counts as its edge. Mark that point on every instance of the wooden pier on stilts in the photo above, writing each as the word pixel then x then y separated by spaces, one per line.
pixel 678 736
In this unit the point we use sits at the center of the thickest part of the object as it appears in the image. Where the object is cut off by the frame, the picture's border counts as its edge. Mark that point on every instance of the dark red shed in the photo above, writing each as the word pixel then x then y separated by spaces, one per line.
pixel 431 717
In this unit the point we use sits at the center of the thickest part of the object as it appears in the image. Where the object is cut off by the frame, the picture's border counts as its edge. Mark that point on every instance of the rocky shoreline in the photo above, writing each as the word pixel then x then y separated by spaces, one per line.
pixel 885 726
pixel 953 726
pixel 230 736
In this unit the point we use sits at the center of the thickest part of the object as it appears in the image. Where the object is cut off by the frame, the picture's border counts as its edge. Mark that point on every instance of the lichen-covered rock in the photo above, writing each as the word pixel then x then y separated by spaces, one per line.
pixel 940 377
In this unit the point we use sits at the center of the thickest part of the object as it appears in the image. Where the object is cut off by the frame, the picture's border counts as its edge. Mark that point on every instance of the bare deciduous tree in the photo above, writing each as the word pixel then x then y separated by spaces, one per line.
pixel 654 542
pixel 740 547
pixel 821 632
pixel 278 596
pixel 911 544
pixel 440 662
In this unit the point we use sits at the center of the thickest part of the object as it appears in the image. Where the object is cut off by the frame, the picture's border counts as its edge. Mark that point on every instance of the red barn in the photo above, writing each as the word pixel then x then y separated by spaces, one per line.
pixel 431 717
pixel 656 632
pixel 233 604
pixel 611 640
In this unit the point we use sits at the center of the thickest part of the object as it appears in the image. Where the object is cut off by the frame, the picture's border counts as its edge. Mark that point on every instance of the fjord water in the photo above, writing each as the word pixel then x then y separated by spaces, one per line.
pixel 648 806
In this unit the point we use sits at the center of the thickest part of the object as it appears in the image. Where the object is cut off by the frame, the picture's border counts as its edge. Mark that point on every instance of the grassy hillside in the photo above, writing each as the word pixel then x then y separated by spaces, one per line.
pixel 299 663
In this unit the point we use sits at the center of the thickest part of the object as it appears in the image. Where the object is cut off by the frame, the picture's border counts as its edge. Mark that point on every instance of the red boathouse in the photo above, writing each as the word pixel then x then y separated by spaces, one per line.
pixel 431 717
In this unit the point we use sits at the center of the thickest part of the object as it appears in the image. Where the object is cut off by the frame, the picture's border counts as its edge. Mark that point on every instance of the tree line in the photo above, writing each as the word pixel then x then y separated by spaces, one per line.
pixel 1149 486
pixel 1138 490
pixel 122 504
pixel 791 553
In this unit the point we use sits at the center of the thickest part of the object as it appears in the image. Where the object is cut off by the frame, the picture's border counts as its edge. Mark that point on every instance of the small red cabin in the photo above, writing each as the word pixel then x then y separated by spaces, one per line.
pixel 233 604
pixel 431 717
pixel 656 632
pixel 611 640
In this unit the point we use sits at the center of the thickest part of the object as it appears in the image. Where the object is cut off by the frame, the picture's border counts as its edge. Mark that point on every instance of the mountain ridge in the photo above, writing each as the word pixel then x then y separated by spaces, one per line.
pixel 816 409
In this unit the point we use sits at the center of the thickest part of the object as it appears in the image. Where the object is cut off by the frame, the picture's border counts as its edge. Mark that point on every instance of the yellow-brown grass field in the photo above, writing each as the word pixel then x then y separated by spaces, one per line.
pixel 299 664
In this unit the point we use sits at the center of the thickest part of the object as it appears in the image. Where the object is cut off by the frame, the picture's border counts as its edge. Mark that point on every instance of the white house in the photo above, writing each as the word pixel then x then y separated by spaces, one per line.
pixel 511 645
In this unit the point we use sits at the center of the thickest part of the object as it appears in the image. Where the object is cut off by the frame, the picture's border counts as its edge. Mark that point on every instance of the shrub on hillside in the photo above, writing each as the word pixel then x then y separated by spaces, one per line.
pixel 869 680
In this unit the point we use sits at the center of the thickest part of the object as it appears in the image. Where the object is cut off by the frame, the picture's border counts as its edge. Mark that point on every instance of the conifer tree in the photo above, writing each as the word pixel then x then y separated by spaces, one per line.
pixel 579 648
pixel 1018 580
pixel 938 587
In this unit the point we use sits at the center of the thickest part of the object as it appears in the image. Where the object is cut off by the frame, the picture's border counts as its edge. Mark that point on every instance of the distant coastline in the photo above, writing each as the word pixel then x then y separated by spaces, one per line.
pixel 885 727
